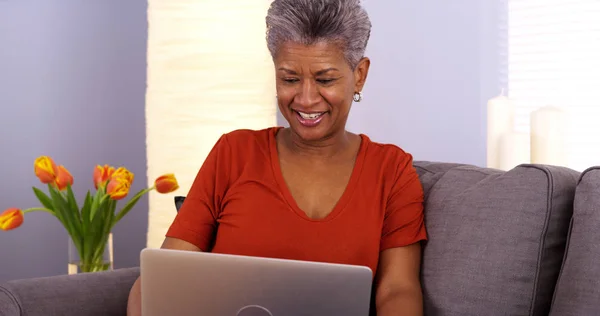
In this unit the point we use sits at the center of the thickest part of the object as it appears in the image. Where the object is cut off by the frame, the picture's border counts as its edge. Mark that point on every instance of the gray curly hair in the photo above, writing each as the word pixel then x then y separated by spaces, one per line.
pixel 344 22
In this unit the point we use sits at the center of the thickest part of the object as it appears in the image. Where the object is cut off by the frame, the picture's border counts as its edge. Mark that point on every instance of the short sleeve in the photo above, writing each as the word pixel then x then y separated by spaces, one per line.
pixel 404 219
pixel 196 220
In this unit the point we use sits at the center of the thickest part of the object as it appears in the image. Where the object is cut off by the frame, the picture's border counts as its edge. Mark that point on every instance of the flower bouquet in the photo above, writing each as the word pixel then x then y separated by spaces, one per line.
pixel 90 224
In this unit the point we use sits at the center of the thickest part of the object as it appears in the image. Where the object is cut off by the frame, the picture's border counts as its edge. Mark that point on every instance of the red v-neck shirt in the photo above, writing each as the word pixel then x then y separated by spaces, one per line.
pixel 240 204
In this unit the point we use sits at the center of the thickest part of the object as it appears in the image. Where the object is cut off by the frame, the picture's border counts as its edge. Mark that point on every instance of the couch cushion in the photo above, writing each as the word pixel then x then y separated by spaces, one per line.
pixel 99 293
pixel 496 239
pixel 578 288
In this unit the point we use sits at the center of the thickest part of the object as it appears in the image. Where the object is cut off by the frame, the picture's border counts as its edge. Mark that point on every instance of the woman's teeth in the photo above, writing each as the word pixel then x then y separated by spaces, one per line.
pixel 310 116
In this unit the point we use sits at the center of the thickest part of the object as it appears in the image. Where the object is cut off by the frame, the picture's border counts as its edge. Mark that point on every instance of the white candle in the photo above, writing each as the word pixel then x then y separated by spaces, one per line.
pixel 500 121
pixel 548 131
pixel 514 150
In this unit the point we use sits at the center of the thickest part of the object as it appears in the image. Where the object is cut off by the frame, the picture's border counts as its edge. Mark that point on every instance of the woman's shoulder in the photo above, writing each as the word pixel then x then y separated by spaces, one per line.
pixel 385 151
pixel 387 160
pixel 388 165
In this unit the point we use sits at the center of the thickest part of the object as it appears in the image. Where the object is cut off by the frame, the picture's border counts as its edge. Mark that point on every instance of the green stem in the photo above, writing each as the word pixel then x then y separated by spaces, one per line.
pixel 33 209
pixel 129 205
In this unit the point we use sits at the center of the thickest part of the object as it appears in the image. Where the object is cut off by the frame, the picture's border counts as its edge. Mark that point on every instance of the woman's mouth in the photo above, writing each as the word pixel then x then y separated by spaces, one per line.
pixel 309 119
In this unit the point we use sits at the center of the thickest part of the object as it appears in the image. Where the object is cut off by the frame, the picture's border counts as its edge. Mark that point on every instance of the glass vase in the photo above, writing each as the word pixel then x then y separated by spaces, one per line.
pixel 99 256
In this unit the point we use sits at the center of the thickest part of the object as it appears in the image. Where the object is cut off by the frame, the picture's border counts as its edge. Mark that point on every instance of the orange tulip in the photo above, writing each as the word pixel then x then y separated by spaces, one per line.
pixel 45 169
pixel 118 188
pixel 122 172
pixel 63 178
pixel 102 174
pixel 166 183
pixel 11 219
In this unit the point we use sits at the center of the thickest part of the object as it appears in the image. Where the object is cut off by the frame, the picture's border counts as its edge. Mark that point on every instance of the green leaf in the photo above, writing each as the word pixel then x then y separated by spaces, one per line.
pixel 101 239
pixel 85 213
pixel 112 207
pixel 74 208
pixel 98 197
pixel 67 213
pixel 44 199
pixel 61 209
pixel 129 205
pixel 58 208
pixel 95 228
pixel 73 215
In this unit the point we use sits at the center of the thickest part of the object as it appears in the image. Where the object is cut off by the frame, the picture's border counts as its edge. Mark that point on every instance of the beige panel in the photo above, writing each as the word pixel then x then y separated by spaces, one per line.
pixel 209 72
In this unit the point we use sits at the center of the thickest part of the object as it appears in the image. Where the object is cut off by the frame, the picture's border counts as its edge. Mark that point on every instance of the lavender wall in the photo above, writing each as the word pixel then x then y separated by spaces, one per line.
pixel 72 86
pixel 434 65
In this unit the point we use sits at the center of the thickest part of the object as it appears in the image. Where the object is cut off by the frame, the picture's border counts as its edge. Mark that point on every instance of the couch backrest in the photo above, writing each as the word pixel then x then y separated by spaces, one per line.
pixel 578 287
pixel 496 239
pixel 178 202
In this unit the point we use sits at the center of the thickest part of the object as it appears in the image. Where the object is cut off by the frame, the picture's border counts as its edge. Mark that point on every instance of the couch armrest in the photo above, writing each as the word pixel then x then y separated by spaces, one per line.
pixel 86 294
pixel 8 303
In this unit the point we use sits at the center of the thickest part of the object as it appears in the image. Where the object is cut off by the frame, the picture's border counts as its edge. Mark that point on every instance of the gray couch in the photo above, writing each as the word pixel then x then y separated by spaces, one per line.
pixel 522 242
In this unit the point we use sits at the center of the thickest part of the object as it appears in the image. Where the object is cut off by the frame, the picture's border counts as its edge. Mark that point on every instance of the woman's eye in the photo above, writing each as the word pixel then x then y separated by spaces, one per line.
pixel 290 80
pixel 325 81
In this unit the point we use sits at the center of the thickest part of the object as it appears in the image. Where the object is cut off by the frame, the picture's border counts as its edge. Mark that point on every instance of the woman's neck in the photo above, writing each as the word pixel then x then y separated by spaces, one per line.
pixel 336 146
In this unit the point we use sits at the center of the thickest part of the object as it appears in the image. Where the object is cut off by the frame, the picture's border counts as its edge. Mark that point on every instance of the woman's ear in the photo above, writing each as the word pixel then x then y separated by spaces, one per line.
pixel 360 73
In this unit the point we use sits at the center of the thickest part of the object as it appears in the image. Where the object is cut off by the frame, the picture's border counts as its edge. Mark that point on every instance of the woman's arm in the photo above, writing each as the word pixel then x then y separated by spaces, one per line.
pixel 134 304
pixel 398 290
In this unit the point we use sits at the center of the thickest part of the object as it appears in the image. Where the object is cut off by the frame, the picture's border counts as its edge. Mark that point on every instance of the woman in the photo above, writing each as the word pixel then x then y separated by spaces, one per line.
pixel 312 191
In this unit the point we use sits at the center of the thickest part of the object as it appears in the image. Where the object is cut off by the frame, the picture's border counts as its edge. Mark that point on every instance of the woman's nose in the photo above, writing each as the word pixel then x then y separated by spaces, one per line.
pixel 308 94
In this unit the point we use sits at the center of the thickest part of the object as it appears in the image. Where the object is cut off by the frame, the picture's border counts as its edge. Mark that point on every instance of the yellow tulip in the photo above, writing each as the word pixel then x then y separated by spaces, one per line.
pixel 45 169
pixel 118 188
pixel 11 219
pixel 166 183
pixel 122 172
pixel 102 174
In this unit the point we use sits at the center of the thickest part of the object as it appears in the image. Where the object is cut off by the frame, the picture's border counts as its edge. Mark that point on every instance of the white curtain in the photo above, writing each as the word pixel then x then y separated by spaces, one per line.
pixel 554 60
pixel 209 72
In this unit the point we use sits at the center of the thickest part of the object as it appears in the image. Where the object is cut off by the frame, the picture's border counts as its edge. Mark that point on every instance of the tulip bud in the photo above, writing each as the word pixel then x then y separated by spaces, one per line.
pixel 166 183
pixel 45 169
pixel 122 172
pixel 11 219
pixel 118 188
pixel 102 174
pixel 63 178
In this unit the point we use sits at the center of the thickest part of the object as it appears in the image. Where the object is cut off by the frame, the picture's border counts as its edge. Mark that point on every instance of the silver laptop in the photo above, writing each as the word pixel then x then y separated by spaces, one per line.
pixel 195 283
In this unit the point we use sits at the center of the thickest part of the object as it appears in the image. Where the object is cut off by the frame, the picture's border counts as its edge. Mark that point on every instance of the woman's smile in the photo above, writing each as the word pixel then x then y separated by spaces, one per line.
pixel 310 119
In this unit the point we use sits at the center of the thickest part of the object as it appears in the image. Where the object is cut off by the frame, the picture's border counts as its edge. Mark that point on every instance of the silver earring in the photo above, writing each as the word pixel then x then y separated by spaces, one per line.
pixel 358 97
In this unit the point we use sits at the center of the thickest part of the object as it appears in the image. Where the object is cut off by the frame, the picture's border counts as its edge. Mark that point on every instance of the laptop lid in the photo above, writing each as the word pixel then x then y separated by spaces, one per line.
pixel 196 283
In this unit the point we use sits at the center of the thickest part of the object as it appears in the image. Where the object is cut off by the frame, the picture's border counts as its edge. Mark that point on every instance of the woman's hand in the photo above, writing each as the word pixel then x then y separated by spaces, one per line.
pixel 398 290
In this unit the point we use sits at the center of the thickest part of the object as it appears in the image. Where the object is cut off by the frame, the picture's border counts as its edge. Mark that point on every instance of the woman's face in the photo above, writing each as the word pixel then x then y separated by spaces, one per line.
pixel 315 87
